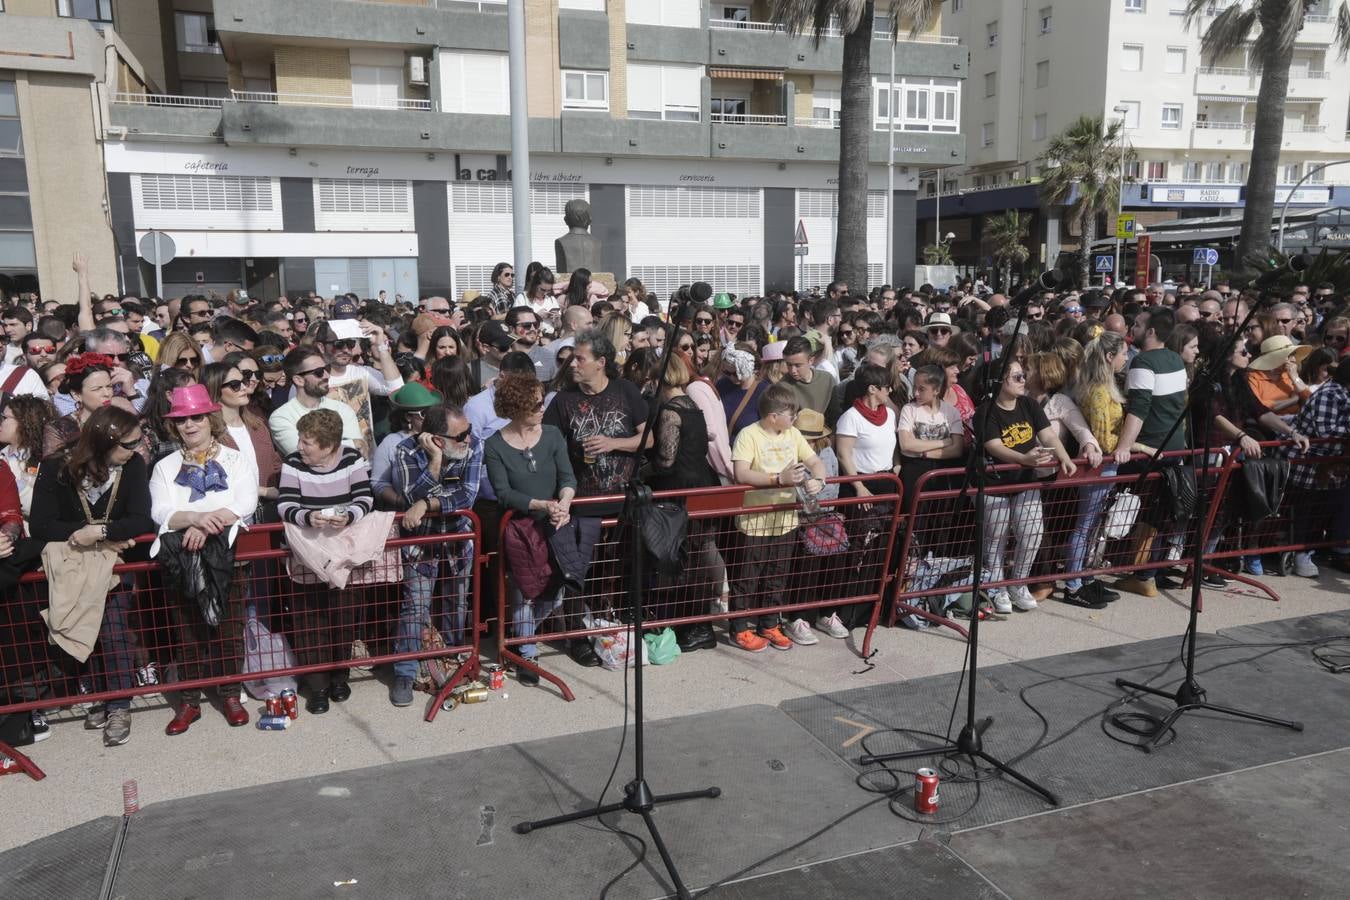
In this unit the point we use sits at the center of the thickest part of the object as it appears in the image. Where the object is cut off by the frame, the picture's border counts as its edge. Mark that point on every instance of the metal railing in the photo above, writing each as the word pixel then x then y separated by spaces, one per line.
pixel 200 48
pixel 175 100
pixel 327 100
pixel 1223 126
pixel 1224 70
pixel 741 119
pixel 829 31
pixel 811 122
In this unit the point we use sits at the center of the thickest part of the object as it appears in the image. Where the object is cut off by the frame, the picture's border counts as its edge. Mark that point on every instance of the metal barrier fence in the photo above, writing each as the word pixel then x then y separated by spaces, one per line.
pixel 416 606
pixel 757 549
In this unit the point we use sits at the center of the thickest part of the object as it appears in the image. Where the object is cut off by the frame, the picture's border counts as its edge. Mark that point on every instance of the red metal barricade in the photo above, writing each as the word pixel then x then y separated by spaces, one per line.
pixel 771 576
pixel 1316 493
pixel 1038 532
pixel 418 603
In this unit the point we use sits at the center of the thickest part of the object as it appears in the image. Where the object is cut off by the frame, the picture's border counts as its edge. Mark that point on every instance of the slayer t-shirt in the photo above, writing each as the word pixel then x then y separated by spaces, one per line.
pixel 617 411
pixel 1016 428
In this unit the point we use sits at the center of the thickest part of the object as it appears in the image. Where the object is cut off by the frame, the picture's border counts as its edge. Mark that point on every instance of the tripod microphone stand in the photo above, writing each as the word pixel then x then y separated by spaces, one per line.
pixel 638 797
pixel 1189 695
pixel 970 741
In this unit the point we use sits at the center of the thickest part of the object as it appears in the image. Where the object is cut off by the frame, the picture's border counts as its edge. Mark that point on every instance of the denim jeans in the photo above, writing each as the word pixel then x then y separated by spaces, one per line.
pixel 1091 505
pixel 526 614
pixel 419 587
pixel 1020 512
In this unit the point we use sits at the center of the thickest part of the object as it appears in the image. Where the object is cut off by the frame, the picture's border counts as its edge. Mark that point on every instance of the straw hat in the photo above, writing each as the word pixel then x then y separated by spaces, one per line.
pixel 192 400
pixel 1275 350
pixel 811 424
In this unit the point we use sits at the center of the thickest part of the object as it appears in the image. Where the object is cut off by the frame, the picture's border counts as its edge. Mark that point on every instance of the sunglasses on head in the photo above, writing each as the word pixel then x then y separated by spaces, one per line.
pixel 115 311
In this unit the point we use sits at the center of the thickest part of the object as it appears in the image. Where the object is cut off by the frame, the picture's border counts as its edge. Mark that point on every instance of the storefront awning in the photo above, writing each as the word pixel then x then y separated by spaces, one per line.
pixel 754 74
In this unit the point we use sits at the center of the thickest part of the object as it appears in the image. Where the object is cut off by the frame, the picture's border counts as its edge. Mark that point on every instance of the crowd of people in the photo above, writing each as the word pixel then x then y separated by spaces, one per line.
pixel 193 418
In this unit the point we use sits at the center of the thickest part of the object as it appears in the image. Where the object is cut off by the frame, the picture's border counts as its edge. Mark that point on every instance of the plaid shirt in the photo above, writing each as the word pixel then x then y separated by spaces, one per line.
pixel 1325 415
pixel 455 487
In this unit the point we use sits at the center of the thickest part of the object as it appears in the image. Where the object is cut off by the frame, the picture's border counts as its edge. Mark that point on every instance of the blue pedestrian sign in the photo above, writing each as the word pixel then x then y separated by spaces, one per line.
pixel 1205 256
pixel 1105 264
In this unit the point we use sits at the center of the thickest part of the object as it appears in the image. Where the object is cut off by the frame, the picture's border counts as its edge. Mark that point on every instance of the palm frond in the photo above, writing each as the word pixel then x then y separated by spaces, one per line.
pixel 920 14
pixel 813 16
pixel 1342 31
pixel 1228 32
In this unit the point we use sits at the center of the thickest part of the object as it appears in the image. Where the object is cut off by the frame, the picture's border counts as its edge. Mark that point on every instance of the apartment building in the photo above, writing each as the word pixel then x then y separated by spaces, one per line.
pixel 337 145
pixel 56 58
pixel 1037 66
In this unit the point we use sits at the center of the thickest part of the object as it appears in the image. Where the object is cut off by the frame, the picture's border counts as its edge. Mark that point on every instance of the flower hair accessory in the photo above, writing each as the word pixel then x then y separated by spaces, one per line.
pixel 83 362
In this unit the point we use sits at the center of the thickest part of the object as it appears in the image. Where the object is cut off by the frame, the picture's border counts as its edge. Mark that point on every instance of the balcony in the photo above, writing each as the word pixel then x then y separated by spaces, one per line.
pixel 284 99
pixel 1317 29
pixel 768 45
pixel 741 119
pixel 1220 135
pixel 775 28
pixel 438 23
pixel 170 100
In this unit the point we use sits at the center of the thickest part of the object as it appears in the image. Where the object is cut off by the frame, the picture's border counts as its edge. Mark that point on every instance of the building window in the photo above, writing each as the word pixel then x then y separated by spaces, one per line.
pixel 474 82
pixel 956 6
pixel 196 33
pixel 376 87
pixel 11 135
pixel 991 34
pixel 988 132
pixel 1157 171
pixel 676 13
pixel 728 109
pixel 738 14
pixel 1171 116
pixel 990 83
pixel 1046 16
pixel 672 93
pixel 1043 73
pixel 1132 169
pixel 1292 173
pixel 585 90
pixel 1176 61
pixel 1130 118
pixel 1132 57
pixel 93 10
pixel 1038 127
pixel 977 182
pixel 825 105
pixel 1190 172
pixel 1134 6
pixel 218 90
pixel 1316 176
pixel 920 104
pixel 1214 172
pixel 589 5
pixel 1237 173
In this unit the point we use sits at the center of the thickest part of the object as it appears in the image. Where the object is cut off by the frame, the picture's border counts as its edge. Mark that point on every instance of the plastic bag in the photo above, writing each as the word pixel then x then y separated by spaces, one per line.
pixel 265 652
pixel 613 649
pixel 662 648
pixel 1120 517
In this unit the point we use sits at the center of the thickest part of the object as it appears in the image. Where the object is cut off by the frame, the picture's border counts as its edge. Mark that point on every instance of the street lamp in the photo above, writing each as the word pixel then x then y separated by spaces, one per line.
pixel 1121 111
pixel 1279 238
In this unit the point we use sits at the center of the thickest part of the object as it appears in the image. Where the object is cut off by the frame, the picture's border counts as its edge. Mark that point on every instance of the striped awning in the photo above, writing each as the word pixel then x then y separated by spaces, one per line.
pixel 759 74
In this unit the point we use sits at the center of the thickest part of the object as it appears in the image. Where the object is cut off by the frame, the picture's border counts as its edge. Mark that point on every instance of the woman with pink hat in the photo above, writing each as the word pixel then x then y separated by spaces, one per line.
pixel 203 490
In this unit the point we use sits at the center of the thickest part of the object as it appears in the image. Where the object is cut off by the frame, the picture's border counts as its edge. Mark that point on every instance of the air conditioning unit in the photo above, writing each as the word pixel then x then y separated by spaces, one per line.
pixel 417 70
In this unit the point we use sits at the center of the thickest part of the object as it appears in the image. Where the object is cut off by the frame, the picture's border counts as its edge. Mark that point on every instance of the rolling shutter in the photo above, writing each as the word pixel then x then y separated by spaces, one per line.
pixel 679 235
pixel 362 204
pixel 206 202
pixel 818 211
pixel 481 233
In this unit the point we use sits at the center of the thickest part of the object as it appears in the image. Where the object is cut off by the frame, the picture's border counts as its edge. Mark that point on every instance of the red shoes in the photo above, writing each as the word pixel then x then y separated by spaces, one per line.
pixel 235 713
pixel 186 715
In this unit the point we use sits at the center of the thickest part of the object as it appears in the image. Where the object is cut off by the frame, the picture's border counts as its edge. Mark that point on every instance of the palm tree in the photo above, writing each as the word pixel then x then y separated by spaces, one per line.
pixel 1007 236
pixel 854 18
pixel 1083 173
pixel 1280 22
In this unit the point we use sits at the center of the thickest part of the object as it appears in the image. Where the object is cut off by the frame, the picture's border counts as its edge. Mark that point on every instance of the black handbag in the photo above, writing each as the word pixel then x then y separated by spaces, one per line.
pixel 665 528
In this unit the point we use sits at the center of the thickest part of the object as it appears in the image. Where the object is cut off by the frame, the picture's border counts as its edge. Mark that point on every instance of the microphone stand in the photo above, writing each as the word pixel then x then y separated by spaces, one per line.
pixel 970 741
pixel 638 797
pixel 1189 695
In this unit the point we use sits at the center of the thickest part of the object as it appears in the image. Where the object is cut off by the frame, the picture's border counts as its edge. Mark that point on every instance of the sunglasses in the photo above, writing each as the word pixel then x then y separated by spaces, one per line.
pixel 346 344
pixel 271 359
pixel 1206 315
pixel 234 385
pixel 130 445
pixel 1337 339
pixel 1284 321
pixel 185 362
pixel 199 417
pixel 1243 351
pixel 121 357
pixel 248 375
pixel 200 314
pixel 846 332
pixel 321 370
pixel 685 348
pixel 438 312
pixel 457 438
pixel 528 326
pixel 42 350
pixel 939 331
pixel 1036 316
pixel 508 274
pixel 530 463
pixel 1018 378
pixel 700 320
pixel 734 323
pixel 115 311
pixel 1073 310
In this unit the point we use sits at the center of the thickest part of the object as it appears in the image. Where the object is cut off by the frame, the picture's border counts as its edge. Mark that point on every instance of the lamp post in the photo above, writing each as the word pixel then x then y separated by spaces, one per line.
pixel 1279 238
pixel 1121 111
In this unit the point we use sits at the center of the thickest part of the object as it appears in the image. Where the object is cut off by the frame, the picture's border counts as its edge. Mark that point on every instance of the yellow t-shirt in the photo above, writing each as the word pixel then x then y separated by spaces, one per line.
pixel 1104 417
pixel 769 453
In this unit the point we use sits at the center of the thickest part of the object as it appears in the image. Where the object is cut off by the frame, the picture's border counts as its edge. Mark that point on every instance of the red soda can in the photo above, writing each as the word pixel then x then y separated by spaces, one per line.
pixel 290 704
pixel 926 792
pixel 275 707
pixel 496 676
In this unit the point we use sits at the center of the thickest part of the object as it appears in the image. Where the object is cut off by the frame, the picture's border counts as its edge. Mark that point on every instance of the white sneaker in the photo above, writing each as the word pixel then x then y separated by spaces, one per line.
pixel 800 633
pixel 1002 604
pixel 832 626
pixel 1304 567
pixel 1021 598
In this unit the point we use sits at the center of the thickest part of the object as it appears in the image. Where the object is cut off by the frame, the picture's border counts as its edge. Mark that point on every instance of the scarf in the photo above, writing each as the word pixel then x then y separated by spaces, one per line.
pixel 201 479
pixel 875 417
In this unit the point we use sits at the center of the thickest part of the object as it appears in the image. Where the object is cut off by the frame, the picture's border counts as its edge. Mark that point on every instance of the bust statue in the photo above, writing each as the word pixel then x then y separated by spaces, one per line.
pixel 578 249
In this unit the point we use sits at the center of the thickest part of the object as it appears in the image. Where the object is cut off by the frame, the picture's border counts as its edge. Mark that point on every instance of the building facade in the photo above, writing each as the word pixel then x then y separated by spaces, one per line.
pixel 1036 67
pixel 335 145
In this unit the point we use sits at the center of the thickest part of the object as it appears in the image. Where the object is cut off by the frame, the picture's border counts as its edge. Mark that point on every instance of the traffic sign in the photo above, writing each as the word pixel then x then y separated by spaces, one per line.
pixel 801 250
pixel 1205 256
pixel 1125 227
pixel 1105 264
pixel 800 237
pixel 157 248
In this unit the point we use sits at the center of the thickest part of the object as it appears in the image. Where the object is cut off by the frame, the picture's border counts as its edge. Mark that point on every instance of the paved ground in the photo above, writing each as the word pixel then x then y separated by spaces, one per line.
pixel 84 778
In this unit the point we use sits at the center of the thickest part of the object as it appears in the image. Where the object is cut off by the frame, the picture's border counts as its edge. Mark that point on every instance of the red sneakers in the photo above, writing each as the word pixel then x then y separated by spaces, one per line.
pixel 748 640
pixel 776 639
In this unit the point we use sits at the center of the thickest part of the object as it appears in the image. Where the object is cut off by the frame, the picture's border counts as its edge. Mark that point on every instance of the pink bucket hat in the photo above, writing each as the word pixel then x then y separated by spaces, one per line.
pixel 192 400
